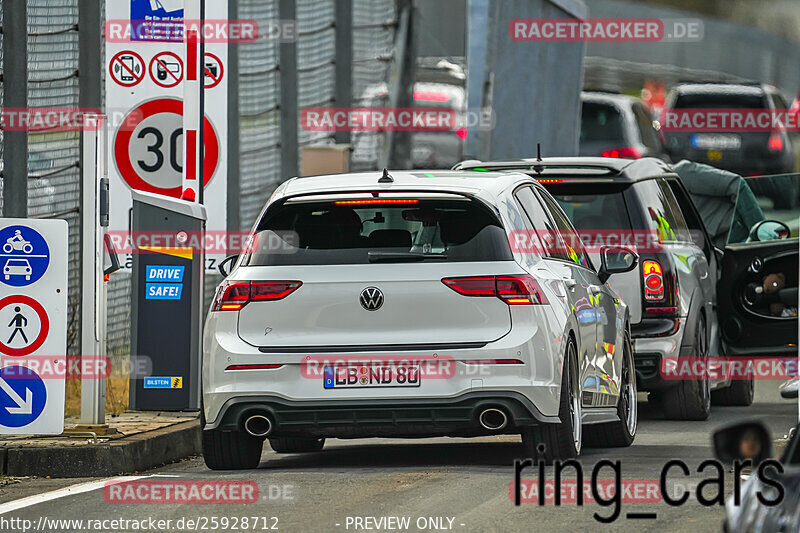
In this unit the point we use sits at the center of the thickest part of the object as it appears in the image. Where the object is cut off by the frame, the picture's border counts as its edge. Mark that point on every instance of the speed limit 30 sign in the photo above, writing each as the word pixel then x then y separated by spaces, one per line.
pixel 148 147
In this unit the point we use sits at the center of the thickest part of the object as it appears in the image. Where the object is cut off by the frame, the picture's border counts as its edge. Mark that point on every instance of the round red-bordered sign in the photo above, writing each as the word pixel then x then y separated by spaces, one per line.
pixel 161 67
pixel 123 66
pixel 43 330
pixel 124 136
pixel 209 74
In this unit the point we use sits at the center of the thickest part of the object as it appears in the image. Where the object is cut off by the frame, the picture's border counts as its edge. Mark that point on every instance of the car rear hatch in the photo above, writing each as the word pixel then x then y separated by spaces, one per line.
pixel 361 270
pixel 734 150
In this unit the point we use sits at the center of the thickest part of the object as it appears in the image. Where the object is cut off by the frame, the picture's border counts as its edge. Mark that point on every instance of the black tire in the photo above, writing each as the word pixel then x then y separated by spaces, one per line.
pixel 622 432
pixel 231 450
pixel 559 440
pixel 740 393
pixel 691 398
pixel 296 444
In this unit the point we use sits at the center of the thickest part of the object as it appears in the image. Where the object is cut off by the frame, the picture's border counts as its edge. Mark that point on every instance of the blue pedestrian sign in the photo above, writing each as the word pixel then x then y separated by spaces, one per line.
pixel 23 396
pixel 25 256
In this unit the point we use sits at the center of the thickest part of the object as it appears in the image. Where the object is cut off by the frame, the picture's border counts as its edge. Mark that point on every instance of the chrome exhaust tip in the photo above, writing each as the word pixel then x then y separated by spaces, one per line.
pixel 493 419
pixel 258 426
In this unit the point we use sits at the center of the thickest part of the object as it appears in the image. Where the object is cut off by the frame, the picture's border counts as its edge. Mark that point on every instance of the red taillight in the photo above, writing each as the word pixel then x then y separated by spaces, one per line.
pixel 430 96
pixel 253 367
pixel 233 295
pixel 550 180
pixel 483 286
pixel 272 290
pixel 775 142
pixel 653 280
pixel 513 290
pixel 374 202
pixel 628 152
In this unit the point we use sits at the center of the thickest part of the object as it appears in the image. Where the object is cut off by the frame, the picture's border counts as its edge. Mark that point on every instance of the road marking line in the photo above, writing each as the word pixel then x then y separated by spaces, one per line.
pixel 79 488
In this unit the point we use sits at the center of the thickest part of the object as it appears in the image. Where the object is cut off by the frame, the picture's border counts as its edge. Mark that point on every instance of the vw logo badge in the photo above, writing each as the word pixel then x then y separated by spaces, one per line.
pixel 371 298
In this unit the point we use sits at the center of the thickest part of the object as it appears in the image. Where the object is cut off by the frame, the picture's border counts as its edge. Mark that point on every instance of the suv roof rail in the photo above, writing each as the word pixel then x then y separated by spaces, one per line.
pixel 540 166
pixel 752 83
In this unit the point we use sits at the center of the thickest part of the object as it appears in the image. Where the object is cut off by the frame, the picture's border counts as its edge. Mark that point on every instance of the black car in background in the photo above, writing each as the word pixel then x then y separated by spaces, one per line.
pixel 618 126
pixel 745 153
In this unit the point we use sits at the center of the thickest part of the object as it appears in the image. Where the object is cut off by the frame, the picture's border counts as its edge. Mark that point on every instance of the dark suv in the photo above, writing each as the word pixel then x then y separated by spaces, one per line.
pixel 745 153
pixel 672 297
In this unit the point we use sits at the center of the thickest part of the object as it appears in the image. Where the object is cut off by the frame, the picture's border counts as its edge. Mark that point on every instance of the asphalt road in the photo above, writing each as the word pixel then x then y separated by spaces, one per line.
pixel 449 484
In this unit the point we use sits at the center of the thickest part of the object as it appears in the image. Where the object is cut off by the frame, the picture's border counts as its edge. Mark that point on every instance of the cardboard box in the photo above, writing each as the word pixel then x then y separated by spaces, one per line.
pixel 325 159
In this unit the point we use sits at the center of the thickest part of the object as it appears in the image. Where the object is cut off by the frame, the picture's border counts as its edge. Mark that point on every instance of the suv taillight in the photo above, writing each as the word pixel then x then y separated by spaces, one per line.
pixel 775 142
pixel 627 152
pixel 233 295
pixel 513 290
pixel 653 281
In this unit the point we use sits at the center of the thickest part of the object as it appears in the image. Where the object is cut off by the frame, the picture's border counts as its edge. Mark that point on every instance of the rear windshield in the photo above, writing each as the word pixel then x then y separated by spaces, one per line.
pixel 593 207
pixel 601 122
pixel 327 233
pixel 720 101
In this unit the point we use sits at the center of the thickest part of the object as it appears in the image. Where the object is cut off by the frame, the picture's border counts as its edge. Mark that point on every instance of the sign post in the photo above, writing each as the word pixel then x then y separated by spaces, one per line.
pixel 33 325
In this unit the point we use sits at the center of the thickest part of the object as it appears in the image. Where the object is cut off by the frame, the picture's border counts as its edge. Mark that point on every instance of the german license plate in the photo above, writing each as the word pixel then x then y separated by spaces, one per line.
pixel 716 142
pixel 370 376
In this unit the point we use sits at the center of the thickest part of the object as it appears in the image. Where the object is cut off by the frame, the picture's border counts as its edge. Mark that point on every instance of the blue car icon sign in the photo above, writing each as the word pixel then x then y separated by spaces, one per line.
pixel 17 267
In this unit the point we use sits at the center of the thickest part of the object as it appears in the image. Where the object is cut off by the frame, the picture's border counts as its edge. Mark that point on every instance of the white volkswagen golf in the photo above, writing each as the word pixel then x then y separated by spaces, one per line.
pixel 402 305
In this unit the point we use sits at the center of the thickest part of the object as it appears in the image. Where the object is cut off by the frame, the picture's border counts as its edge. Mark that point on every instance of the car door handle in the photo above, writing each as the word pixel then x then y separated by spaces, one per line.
pixel 595 289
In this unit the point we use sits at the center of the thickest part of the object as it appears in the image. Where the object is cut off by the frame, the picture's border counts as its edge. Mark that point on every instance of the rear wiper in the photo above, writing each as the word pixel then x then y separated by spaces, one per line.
pixel 403 257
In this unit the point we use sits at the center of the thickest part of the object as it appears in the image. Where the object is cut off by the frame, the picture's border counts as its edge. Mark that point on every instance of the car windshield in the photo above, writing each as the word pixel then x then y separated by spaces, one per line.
pixel 365 231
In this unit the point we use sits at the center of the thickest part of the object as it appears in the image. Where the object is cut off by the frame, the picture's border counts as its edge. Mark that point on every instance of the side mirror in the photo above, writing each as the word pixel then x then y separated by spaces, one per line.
pixel 228 261
pixel 769 230
pixel 616 260
pixel 742 441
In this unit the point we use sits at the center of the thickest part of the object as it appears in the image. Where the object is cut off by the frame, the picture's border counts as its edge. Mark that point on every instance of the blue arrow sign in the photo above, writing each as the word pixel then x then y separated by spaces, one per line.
pixel 24 256
pixel 22 396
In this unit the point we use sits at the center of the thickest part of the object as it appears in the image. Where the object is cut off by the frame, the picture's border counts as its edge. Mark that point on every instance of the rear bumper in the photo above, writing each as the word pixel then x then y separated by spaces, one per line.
pixel 418 417
pixel 297 383
pixel 649 351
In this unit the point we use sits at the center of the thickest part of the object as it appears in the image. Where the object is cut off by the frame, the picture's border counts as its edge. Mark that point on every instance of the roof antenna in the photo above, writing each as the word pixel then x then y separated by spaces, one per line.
pixel 538 167
pixel 386 178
